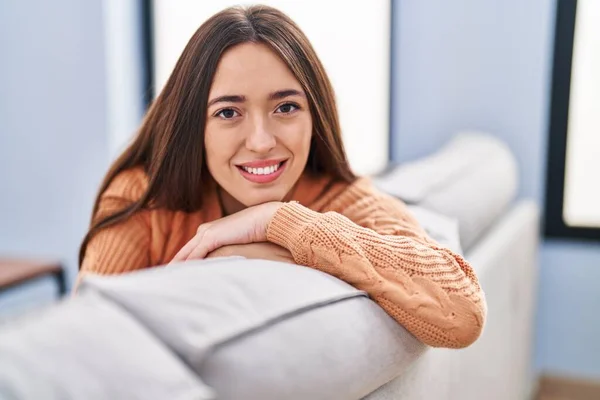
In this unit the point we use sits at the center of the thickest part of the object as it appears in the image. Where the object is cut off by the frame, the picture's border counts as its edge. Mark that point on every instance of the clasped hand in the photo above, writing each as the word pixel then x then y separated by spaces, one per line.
pixel 243 233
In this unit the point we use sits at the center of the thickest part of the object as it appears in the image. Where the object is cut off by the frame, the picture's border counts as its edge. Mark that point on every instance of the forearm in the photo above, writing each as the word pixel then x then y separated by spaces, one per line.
pixel 261 250
pixel 430 291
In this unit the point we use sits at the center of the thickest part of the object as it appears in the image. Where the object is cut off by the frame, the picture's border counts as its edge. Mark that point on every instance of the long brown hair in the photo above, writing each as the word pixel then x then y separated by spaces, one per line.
pixel 170 142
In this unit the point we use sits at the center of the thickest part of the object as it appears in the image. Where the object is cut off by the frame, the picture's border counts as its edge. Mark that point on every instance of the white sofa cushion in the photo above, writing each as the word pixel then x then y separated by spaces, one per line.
pixel 89 348
pixel 473 178
pixel 442 228
pixel 257 329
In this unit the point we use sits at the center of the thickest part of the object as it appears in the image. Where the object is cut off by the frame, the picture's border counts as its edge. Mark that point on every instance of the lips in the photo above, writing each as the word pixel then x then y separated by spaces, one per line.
pixel 263 171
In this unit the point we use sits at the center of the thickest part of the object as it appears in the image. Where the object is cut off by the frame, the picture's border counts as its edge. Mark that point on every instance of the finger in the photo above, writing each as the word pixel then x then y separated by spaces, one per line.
pixel 205 244
pixel 199 252
pixel 185 251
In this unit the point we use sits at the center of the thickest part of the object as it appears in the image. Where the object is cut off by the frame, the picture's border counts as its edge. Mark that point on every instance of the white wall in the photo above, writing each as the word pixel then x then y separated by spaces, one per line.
pixel 569 317
pixel 474 65
pixel 351 40
pixel 53 141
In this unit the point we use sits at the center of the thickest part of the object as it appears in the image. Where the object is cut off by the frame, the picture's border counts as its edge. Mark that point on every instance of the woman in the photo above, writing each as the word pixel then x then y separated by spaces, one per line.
pixel 241 153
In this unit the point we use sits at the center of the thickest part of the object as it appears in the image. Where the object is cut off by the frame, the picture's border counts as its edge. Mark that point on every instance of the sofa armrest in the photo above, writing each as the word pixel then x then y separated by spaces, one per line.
pixel 499 364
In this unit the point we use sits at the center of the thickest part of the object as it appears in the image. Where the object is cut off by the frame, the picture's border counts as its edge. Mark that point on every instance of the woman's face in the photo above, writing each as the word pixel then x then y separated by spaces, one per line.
pixel 258 127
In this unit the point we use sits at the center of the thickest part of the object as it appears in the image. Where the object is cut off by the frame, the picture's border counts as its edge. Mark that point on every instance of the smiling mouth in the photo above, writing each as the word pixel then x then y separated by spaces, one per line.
pixel 263 170
pixel 264 173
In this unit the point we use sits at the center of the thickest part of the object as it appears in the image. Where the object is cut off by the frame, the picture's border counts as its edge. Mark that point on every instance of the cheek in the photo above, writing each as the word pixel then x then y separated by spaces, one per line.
pixel 212 151
pixel 209 146
pixel 217 147
pixel 297 138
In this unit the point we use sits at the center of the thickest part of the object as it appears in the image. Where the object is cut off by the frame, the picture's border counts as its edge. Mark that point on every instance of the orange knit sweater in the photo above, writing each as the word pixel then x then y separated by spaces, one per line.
pixel 350 231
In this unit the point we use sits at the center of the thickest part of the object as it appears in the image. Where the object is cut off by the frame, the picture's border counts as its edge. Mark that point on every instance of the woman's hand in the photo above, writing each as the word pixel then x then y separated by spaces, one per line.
pixel 261 251
pixel 246 226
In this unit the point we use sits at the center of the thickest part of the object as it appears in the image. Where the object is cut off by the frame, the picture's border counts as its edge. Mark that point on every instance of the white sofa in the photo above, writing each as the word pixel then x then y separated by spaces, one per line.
pixel 499 364
pixel 500 235
pixel 251 329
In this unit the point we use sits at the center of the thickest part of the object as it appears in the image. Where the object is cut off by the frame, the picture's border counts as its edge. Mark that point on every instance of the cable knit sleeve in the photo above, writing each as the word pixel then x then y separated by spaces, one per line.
pixel 371 241
pixel 125 246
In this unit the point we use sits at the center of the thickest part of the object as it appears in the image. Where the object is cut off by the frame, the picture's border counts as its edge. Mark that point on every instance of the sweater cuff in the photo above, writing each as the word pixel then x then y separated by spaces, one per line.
pixel 289 223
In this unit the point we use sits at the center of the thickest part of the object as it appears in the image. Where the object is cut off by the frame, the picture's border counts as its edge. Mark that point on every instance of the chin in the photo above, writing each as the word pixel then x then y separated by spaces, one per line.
pixel 261 198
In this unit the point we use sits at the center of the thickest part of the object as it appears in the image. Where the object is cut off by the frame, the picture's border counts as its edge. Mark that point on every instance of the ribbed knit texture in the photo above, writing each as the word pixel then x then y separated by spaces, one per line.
pixel 352 232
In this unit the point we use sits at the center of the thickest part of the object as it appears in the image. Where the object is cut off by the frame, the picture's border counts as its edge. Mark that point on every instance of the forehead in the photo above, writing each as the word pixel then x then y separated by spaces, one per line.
pixel 251 70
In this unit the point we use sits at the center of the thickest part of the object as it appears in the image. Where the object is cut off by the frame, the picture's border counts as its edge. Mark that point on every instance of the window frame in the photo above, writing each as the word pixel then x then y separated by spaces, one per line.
pixel 555 226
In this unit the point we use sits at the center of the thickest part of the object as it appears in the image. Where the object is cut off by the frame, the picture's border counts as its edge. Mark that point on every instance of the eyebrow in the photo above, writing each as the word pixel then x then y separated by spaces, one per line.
pixel 278 95
pixel 227 99
pixel 282 94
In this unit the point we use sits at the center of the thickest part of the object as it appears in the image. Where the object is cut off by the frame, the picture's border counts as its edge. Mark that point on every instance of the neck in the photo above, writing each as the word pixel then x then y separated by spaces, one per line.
pixel 306 191
pixel 228 203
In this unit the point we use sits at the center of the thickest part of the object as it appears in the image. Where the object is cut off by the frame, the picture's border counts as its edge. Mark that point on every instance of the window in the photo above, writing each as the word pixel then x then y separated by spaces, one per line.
pixel 573 173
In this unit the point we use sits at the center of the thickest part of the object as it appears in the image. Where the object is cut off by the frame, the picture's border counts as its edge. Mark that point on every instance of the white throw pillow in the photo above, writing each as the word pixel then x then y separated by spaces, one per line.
pixel 473 179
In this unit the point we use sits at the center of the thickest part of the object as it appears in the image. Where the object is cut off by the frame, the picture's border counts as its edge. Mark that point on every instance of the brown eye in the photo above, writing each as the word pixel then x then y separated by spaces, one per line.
pixel 227 113
pixel 287 108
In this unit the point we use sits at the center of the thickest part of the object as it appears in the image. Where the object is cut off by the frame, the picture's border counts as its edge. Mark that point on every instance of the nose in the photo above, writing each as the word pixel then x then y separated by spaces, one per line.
pixel 259 139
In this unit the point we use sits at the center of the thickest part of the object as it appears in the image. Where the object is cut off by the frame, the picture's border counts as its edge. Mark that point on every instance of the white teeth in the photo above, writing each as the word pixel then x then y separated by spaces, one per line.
pixel 262 171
